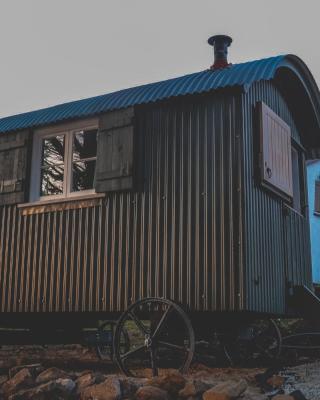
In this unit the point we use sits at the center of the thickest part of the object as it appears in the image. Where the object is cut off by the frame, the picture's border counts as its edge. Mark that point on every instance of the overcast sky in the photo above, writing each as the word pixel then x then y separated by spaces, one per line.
pixel 54 51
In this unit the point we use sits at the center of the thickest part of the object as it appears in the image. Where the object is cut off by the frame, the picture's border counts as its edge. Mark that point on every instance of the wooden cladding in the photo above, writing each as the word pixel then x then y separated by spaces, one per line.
pixel 317 197
pixel 275 151
pixel 14 167
pixel 114 166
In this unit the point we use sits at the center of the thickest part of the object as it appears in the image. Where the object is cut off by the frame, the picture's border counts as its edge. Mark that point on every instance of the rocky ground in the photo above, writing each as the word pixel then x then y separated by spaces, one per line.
pixel 74 372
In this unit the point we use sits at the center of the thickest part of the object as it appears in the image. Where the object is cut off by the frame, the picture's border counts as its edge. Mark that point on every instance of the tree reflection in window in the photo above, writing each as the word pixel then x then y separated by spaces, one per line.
pixel 68 162
pixel 52 166
pixel 84 156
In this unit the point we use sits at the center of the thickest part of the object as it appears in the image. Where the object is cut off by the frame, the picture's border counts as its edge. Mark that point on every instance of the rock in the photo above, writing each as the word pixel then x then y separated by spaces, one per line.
pixel 129 386
pixel 51 374
pixel 229 389
pixel 276 381
pixel 88 379
pixel 3 379
pixel 209 395
pixel 54 390
pixel 172 382
pixel 205 378
pixel 298 395
pixel 188 391
pixel 254 394
pixel 283 397
pixel 108 390
pixel 78 374
pixel 34 369
pixel 84 381
pixel 20 380
pixel 151 393
pixel 194 388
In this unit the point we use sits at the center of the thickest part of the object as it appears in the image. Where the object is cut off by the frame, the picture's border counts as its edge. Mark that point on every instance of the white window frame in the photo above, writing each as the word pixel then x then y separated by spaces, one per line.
pixel 67 130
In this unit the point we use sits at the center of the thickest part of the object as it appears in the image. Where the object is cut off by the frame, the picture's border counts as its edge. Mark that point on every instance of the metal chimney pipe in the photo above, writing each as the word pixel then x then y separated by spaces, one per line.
pixel 220 44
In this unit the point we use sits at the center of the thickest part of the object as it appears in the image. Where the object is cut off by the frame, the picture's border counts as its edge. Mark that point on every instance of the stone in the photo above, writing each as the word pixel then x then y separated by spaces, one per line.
pixel 276 381
pixel 84 381
pixel 210 395
pixel 172 382
pixel 283 397
pixel 51 374
pixel 107 390
pixel 194 388
pixel 254 394
pixel 54 390
pixel 188 391
pixel 151 393
pixel 298 395
pixel 229 389
pixel 129 385
pixel 3 379
pixel 203 377
pixel 21 379
pixel 88 379
pixel 34 369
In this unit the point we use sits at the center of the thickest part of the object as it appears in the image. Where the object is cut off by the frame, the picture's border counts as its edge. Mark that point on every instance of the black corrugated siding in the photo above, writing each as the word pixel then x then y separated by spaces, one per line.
pixel 277 249
pixel 177 236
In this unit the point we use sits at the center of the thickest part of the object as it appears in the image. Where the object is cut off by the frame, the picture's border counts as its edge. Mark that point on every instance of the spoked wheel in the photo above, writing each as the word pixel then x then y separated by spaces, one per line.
pixel 258 343
pixel 160 337
pixel 104 346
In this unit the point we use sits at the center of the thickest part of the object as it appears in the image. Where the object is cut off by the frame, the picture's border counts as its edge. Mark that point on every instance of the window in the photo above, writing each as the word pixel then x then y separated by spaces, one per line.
pixel 317 197
pixel 275 152
pixel 63 162
pixel 281 159
pixel 296 180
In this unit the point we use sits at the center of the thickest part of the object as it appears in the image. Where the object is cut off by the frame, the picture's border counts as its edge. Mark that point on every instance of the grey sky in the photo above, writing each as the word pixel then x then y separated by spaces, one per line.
pixel 61 50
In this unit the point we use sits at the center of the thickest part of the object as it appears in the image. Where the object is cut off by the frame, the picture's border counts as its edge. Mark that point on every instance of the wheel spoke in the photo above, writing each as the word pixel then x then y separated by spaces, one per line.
pixel 153 362
pixel 160 325
pixel 139 324
pixel 172 346
pixel 132 353
pixel 264 351
pixel 150 318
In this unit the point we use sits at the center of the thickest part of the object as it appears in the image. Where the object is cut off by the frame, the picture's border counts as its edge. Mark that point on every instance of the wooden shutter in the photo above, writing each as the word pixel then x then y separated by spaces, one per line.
pixel 114 168
pixel 13 167
pixel 275 151
pixel 317 197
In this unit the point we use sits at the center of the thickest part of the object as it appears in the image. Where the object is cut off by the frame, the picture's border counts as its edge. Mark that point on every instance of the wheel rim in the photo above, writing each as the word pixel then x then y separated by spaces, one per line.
pixel 261 343
pixel 160 337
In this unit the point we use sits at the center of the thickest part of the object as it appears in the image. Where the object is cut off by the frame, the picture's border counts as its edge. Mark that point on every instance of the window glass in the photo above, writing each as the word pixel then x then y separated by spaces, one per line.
pixel 84 145
pixel 52 180
pixel 296 180
pixel 52 166
pixel 317 197
pixel 84 159
pixel 83 175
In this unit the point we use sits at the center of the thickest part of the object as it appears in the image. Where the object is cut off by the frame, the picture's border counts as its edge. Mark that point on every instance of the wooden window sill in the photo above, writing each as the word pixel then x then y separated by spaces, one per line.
pixel 61 204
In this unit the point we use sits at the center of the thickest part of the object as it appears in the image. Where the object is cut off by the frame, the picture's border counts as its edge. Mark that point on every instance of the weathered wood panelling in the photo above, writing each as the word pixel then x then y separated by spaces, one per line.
pixel 14 167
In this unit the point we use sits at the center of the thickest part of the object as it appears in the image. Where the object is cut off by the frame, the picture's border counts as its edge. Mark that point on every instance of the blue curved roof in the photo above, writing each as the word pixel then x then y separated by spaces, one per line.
pixel 243 74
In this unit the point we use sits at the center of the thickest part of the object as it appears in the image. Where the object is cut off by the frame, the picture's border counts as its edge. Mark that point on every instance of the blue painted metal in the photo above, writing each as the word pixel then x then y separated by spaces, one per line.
pixel 313 172
pixel 243 74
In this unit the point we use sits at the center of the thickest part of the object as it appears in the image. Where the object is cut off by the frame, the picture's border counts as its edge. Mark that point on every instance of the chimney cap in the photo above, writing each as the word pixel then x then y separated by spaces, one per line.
pixel 222 38
pixel 220 45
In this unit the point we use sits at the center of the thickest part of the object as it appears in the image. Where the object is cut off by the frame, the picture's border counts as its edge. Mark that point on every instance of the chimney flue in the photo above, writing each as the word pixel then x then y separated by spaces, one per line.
pixel 220 44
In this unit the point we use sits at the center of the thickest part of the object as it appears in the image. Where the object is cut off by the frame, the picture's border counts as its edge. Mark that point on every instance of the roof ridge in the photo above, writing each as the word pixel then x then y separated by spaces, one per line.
pixel 196 82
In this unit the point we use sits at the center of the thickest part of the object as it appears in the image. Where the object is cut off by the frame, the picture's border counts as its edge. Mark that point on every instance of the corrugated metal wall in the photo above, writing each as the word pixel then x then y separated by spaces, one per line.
pixel 176 236
pixel 276 249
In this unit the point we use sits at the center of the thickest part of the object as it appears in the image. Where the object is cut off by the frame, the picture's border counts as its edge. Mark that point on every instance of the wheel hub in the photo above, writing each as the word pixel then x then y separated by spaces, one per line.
pixel 148 341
